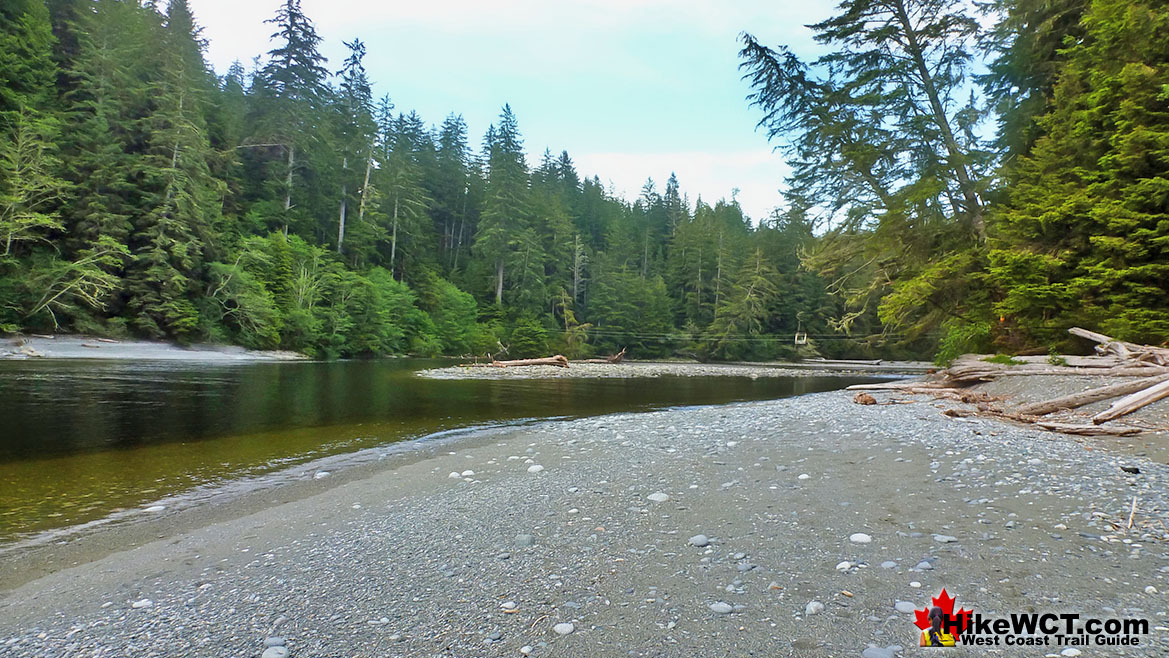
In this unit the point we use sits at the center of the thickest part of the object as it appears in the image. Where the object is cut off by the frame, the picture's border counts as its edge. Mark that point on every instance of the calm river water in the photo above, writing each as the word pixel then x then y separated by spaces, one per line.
pixel 80 440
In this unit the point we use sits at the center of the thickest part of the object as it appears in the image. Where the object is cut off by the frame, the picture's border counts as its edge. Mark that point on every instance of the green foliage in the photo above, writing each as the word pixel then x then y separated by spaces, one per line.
pixel 528 339
pixel 960 338
pixel 1004 359
pixel 1084 236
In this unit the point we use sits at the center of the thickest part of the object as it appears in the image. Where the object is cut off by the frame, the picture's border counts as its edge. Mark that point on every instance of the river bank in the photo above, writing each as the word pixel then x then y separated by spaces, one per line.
pixel 649 369
pixel 490 546
pixel 88 347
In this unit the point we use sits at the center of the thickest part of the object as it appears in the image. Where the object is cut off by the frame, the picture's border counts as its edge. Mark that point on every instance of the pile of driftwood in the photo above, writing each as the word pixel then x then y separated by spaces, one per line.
pixel 558 360
pixel 1146 369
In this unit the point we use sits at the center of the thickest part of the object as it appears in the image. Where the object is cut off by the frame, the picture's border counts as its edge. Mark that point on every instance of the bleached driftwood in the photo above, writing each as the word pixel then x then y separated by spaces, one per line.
pixel 1123 349
pixel 560 361
pixel 1131 403
pixel 1088 430
pixel 1076 400
pixel 616 358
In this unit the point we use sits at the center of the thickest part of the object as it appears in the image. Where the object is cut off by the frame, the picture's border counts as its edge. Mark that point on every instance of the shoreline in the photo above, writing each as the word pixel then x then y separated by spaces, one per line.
pixel 26 347
pixel 401 559
pixel 653 369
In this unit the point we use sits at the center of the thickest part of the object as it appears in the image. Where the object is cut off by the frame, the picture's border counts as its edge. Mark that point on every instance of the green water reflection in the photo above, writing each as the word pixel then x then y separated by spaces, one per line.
pixel 82 439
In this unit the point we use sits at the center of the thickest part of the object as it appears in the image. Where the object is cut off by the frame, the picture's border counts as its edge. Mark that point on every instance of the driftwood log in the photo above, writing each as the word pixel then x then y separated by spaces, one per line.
pixel 1125 350
pixel 560 361
pixel 616 358
pixel 1149 366
pixel 1131 403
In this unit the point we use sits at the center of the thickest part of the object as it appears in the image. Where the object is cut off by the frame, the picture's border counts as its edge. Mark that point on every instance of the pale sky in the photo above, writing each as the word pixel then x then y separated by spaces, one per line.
pixel 632 89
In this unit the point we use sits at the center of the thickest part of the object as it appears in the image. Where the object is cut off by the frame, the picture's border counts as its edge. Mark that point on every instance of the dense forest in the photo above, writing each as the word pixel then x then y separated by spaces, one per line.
pixel 960 182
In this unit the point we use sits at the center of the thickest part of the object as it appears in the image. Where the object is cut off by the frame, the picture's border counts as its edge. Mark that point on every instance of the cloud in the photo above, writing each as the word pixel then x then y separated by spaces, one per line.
pixel 757 174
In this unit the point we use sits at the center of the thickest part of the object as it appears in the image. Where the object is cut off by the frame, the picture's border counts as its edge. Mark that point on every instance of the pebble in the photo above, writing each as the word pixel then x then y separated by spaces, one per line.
pixel 699 540
pixel 563 628
pixel 914 584
pixel 803 476
pixel 468 473
pixel 813 608
pixel 535 468
pixel 155 508
pixel 274 642
pixel 454 475
pixel 924 565
pixel 878 652
pixel 859 538
pixel 945 539
pixel 1150 590
pixel 495 636
pixel 508 605
pixel 888 564
pixel 143 603
pixel 275 652
pixel 524 541
pixel 720 608
pixel 527 649
pixel 321 474
pixel 844 566
pixel 658 497
pixel 905 607
pixel 1070 651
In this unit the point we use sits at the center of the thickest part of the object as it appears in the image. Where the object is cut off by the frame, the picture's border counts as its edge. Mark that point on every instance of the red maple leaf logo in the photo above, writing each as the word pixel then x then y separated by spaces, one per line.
pixel 950 621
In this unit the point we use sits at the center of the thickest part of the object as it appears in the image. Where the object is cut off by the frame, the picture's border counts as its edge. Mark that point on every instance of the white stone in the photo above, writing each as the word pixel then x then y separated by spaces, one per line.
pixel 563 628
pixel 844 566
pixel 1150 590
pixel 914 584
pixel 859 538
pixel 700 541
pixel 454 475
pixel 803 476
pixel 535 468
pixel 658 497
pixel 1070 651
pixel 720 608
pixel 905 607
pixel 468 473
pixel 527 649
pixel 155 508
pixel 275 652
pixel 321 474
pixel 813 608
pixel 945 539
pixel 143 603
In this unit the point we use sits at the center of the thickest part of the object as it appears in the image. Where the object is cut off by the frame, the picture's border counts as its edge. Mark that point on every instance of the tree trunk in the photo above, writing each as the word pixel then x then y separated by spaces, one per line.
pixel 957 157
pixel 344 200
pixel 499 282
pixel 365 187
pixel 394 237
pixel 288 185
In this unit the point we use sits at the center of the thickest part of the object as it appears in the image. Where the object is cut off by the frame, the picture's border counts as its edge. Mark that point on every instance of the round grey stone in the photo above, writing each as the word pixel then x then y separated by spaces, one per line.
pixel 905 607
pixel 720 608
pixel 700 541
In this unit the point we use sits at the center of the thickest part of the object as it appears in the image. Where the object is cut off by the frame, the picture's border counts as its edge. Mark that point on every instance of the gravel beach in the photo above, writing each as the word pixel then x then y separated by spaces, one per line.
pixel 648 369
pixel 808 526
